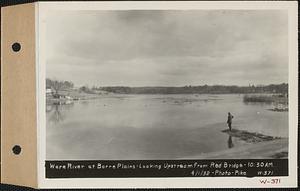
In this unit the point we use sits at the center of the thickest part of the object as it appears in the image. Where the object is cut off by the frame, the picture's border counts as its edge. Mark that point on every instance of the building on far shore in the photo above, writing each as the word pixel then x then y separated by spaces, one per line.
pixel 49 92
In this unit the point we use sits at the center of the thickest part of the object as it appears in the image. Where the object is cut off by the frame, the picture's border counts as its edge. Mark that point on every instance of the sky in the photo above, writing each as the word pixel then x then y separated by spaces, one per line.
pixel 167 47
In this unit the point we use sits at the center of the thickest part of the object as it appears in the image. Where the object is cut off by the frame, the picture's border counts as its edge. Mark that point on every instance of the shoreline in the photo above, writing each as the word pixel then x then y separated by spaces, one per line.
pixel 259 147
pixel 264 150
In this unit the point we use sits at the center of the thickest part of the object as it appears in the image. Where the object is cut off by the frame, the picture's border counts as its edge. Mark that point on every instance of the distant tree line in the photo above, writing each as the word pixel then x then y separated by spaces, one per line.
pixel 205 89
pixel 86 89
pixel 58 85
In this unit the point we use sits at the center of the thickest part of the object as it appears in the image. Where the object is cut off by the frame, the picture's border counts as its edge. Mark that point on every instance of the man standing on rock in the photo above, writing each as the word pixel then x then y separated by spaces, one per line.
pixel 229 120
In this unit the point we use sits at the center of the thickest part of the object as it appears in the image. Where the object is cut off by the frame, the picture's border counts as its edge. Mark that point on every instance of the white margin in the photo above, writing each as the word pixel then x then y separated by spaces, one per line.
pixel 185 182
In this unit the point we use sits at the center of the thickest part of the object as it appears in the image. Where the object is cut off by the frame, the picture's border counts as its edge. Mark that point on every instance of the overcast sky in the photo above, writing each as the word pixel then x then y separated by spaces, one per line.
pixel 167 48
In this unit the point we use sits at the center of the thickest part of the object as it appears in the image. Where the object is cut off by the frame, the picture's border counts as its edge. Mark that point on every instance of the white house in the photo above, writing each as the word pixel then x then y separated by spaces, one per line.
pixel 49 91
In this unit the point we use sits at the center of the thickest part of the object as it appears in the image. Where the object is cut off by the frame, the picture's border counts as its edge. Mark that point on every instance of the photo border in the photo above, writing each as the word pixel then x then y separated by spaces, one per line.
pixel 196 182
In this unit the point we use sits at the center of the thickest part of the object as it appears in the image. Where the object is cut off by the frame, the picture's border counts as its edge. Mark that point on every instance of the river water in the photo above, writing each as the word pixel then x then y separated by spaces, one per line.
pixel 128 127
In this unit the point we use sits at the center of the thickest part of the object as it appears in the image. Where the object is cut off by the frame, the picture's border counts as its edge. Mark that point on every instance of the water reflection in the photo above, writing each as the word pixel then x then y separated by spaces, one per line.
pixel 152 127
pixel 56 115
pixel 229 142
pixel 57 112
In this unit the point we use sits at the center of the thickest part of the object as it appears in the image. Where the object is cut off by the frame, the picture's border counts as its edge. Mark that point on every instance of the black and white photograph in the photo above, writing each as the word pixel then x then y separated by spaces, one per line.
pixel 143 84
pixel 166 84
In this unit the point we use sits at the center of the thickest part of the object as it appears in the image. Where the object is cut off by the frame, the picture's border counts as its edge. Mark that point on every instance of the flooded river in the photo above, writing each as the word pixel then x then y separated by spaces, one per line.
pixel 124 127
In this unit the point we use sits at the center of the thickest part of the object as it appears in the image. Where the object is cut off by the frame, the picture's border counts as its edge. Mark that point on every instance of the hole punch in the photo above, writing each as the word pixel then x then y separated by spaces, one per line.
pixel 16 47
pixel 16 149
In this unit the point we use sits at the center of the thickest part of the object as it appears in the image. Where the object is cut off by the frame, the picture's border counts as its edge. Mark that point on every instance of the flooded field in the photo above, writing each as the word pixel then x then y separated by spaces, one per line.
pixel 123 127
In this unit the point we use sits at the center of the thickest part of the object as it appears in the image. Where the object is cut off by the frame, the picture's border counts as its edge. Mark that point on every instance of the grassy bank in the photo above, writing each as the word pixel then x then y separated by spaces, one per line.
pixel 280 98
pixel 259 146
pixel 275 149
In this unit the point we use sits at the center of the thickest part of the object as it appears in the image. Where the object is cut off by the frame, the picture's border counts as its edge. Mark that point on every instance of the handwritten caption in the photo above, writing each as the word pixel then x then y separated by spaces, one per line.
pixel 176 168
